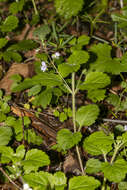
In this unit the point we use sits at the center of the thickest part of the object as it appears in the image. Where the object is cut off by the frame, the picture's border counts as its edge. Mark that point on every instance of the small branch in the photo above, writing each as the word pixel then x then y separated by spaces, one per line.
pixel 4 173
pixel 115 121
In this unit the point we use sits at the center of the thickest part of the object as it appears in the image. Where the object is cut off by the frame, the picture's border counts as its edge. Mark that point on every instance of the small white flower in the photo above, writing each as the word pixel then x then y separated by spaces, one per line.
pixel 26 187
pixel 43 66
pixel 56 55
pixel 125 127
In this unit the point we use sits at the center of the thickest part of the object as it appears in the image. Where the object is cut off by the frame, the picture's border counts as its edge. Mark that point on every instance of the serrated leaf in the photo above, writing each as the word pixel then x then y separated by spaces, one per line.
pixel 98 143
pixel 15 7
pixel 96 95
pixel 93 166
pixel 78 57
pixel 10 23
pixel 83 183
pixel 65 69
pixel 42 31
pixel 115 172
pixel 113 99
pixel 83 40
pixel 19 155
pixel 34 159
pixel 5 135
pixel 7 154
pixel 44 79
pixel 3 42
pixel 43 99
pixel 34 90
pixel 68 8
pixel 59 180
pixel 66 139
pixel 23 45
pixel 31 137
pixel 87 115
pixel 37 180
pixel 95 80
pixel 104 61
pixel 122 185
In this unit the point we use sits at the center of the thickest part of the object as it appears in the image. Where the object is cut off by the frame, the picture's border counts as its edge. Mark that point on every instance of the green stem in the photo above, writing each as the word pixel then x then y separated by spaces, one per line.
pixel 74 121
pixel 35 8
pixel 104 184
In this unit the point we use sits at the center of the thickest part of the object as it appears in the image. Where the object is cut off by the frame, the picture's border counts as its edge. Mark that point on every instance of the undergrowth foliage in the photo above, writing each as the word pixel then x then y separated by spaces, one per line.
pixel 58 75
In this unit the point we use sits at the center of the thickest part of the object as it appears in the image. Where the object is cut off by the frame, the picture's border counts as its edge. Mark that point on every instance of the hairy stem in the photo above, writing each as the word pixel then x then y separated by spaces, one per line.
pixel 35 8
pixel 74 121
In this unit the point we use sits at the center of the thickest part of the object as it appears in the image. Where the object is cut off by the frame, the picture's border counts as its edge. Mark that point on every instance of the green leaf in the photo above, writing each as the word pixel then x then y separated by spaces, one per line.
pixel 122 185
pixel 59 180
pixel 93 166
pixel 104 61
pixel 37 180
pixel 34 159
pixel 5 135
pixel 31 137
pixel 7 154
pixel 42 31
pixel 63 116
pixel 34 90
pixel 83 183
pixel 3 42
pixel 5 107
pixel 44 79
pixel 19 155
pixel 96 95
pixel 65 69
pixel 10 23
pixel 78 57
pixel 15 7
pixel 11 55
pixel 86 115
pixel 115 172
pixel 98 143
pixel 113 99
pixel 95 80
pixel 23 45
pixel 68 8
pixel 83 40
pixel 66 139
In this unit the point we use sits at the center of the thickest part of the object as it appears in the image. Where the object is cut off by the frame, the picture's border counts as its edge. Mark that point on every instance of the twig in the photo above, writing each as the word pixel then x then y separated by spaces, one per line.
pixel 4 173
pixel 115 121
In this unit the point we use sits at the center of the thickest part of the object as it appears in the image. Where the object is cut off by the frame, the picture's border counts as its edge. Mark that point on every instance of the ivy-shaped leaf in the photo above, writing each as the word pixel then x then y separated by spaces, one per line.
pixel 86 115
pixel 10 23
pixel 93 166
pixel 34 159
pixel 15 7
pixel 95 80
pixel 104 61
pixel 83 183
pixel 5 135
pixel 44 79
pixel 115 172
pixel 78 57
pixel 23 45
pixel 37 180
pixel 94 83
pixel 3 42
pixel 68 8
pixel 6 154
pixel 42 31
pixel 98 143
pixel 66 139
pixel 65 69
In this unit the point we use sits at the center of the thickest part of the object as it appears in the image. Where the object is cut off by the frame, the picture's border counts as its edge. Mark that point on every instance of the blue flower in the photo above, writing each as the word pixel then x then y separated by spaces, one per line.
pixel 43 66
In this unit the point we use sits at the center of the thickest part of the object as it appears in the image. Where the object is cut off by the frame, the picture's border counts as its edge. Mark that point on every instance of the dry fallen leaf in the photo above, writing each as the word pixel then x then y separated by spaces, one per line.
pixel 25 70
pixel 71 165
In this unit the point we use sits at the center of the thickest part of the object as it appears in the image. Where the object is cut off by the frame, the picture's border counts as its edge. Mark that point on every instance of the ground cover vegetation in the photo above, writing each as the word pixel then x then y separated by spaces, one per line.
pixel 63 94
